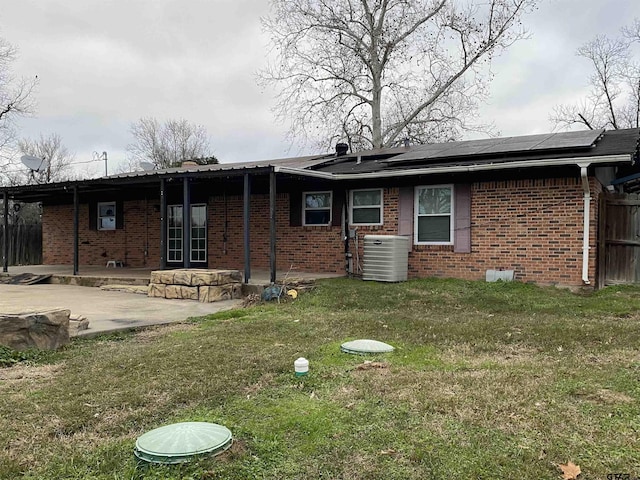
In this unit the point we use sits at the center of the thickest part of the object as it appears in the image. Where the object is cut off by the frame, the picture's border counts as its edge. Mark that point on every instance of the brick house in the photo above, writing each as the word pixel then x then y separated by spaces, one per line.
pixel 528 204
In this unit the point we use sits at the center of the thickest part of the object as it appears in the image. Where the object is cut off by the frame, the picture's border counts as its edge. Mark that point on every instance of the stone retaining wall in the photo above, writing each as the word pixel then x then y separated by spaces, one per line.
pixel 196 284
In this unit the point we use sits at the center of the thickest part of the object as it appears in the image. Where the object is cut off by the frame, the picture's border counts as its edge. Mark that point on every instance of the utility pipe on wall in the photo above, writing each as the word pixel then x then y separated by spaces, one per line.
pixel 247 226
pixel 76 214
pixel 186 222
pixel 586 217
pixel 163 224
pixel 5 232
pixel 272 226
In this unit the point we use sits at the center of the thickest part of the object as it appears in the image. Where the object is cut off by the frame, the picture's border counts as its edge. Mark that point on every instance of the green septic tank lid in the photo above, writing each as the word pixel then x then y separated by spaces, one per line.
pixel 362 347
pixel 179 442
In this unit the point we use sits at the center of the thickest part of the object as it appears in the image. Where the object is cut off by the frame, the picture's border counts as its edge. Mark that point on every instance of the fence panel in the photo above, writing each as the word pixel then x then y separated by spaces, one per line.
pixel 25 244
pixel 622 239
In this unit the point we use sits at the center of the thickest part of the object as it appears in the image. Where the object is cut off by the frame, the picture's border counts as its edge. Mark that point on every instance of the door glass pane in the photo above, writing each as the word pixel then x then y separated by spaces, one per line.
pixel 198 233
pixel 174 234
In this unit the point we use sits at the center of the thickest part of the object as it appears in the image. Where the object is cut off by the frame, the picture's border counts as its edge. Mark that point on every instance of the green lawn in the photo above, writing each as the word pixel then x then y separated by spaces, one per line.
pixel 492 381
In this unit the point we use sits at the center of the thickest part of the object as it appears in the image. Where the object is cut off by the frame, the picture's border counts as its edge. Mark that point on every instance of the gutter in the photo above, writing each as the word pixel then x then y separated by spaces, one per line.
pixel 305 173
pixel 549 162
pixel 586 223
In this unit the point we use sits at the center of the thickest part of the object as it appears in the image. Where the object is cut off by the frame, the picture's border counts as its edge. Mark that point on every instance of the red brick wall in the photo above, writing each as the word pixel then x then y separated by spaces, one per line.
pixel 315 249
pixel 311 249
pixel 531 226
pixel 534 227
pixel 137 244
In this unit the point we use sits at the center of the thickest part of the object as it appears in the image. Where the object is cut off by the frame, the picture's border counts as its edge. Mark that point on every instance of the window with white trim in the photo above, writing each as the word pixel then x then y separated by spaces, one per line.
pixel 316 208
pixel 434 215
pixel 365 207
pixel 107 216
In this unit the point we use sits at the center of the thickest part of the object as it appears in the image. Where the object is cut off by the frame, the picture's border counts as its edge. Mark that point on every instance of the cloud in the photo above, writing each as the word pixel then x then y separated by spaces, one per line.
pixel 538 73
pixel 103 65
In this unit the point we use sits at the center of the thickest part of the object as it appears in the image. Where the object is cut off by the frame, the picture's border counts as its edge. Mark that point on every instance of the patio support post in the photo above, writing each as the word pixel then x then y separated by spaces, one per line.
pixel 186 222
pixel 5 232
pixel 76 209
pixel 272 225
pixel 247 237
pixel 163 224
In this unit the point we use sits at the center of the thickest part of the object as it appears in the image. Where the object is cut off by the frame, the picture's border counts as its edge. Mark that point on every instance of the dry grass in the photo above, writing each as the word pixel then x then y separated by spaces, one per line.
pixel 487 381
pixel 23 373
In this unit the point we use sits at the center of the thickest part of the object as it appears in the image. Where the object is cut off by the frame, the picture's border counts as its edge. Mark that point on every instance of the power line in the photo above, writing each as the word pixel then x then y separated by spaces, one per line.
pixel 21 170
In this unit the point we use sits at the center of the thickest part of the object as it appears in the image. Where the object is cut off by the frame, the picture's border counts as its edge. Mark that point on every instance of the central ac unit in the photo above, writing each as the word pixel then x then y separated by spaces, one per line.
pixel 386 258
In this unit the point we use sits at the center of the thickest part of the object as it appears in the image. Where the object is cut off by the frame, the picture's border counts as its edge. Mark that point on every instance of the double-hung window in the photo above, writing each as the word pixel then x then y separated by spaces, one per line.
pixel 316 208
pixel 107 216
pixel 365 207
pixel 434 215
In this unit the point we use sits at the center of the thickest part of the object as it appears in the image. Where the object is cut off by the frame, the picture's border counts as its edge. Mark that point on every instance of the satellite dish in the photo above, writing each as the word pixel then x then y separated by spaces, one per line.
pixel 34 164
pixel 147 166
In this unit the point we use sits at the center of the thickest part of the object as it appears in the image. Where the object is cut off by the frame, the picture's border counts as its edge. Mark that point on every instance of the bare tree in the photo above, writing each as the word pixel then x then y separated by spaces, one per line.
pixel 376 72
pixel 57 160
pixel 15 95
pixel 614 99
pixel 169 144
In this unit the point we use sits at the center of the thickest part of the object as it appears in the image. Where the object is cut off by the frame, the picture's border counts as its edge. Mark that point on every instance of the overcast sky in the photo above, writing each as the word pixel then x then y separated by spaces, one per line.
pixel 104 64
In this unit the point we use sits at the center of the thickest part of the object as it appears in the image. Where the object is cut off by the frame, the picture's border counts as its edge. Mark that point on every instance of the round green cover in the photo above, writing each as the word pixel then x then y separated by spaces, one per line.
pixel 366 346
pixel 179 442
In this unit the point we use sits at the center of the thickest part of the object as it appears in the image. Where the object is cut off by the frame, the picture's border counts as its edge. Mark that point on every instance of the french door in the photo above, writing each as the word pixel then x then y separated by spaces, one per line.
pixel 198 249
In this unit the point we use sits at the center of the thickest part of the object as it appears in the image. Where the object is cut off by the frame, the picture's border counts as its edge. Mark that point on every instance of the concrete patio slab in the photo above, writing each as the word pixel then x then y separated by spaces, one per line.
pixel 107 311
pixel 101 275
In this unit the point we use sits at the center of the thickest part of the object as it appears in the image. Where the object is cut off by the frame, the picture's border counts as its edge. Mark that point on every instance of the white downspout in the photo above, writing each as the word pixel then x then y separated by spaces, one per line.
pixel 586 215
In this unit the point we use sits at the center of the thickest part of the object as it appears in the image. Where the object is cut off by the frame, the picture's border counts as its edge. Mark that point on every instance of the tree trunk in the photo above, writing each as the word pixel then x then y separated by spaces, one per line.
pixel 376 116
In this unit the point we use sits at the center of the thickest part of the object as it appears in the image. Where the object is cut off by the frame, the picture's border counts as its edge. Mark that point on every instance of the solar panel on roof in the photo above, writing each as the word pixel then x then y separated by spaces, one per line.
pixel 515 144
pixel 472 147
pixel 433 150
pixel 547 141
pixel 431 147
pixel 570 140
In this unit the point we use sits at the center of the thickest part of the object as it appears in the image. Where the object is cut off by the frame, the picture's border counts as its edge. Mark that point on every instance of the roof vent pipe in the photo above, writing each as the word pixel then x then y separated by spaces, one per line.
pixel 341 149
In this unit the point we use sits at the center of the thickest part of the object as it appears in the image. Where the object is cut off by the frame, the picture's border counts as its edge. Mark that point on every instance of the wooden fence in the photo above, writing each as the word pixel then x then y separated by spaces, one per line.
pixel 619 241
pixel 25 244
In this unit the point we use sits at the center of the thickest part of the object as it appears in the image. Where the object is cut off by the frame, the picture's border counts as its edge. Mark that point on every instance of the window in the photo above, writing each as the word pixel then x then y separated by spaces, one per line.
pixel 434 215
pixel 366 207
pixel 107 216
pixel 317 208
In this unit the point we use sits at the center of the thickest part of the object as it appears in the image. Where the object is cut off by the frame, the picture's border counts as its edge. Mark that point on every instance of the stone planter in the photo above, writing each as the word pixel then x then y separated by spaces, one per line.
pixel 196 284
